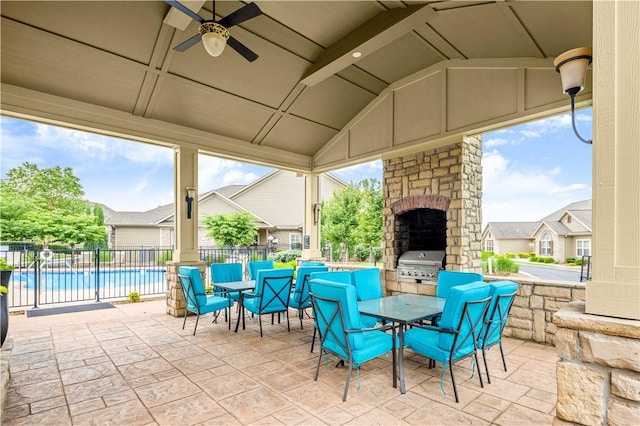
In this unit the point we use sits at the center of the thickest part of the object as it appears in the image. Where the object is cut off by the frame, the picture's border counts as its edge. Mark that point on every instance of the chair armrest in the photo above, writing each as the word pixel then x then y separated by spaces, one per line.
pixel 431 327
pixel 251 294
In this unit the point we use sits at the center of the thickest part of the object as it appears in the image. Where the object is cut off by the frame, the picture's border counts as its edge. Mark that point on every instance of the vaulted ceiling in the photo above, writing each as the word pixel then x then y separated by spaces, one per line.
pixel 110 66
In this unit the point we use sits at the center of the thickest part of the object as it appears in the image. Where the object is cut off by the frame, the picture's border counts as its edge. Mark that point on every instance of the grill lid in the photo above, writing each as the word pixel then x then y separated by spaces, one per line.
pixel 422 258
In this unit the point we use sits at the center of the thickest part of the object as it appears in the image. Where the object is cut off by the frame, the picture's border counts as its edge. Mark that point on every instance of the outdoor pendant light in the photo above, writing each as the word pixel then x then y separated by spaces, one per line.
pixel 572 66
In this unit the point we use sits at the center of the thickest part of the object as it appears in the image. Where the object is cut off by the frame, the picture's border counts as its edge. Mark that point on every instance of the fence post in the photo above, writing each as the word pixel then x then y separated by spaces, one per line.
pixel 96 262
pixel 36 277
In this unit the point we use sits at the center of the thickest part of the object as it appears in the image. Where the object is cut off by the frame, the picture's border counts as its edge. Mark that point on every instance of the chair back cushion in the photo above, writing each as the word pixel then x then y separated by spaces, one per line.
pixel 226 272
pixel 311 263
pixel 300 295
pixel 464 311
pixel 448 279
pixel 368 283
pixel 255 265
pixel 336 310
pixel 273 286
pixel 192 286
pixel 502 295
pixel 343 277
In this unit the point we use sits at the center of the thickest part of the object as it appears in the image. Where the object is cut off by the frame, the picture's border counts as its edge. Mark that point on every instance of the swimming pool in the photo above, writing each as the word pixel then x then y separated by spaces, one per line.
pixel 77 280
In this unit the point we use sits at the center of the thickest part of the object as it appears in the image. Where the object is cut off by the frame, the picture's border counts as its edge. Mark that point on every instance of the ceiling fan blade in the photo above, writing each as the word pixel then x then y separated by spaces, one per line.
pixel 247 53
pixel 239 16
pixel 184 9
pixel 188 43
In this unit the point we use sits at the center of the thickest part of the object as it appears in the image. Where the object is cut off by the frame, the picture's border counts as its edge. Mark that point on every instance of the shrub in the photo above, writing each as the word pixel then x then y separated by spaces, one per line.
pixel 578 261
pixel 487 254
pixel 549 260
pixel 504 264
pixel 287 256
pixel 570 260
pixel 208 289
pixel 533 259
pixel 164 257
pixel 290 264
pixel 362 253
pixel 532 254
pixel 524 255
pixel 510 255
pixel 134 297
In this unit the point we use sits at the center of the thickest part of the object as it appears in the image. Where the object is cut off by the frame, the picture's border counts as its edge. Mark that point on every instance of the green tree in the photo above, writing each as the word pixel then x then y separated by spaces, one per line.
pixel 369 229
pixel 46 205
pixel 339 219
pixel 231 229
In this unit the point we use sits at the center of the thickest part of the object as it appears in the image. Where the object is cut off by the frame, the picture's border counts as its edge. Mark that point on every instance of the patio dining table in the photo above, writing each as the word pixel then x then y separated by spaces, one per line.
pixel 241 287
pixel 402 309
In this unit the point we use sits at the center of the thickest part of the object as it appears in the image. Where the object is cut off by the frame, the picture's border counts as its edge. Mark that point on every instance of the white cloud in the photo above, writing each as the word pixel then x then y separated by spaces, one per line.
pixel 490 143
pixel 359 172
pixel 514 195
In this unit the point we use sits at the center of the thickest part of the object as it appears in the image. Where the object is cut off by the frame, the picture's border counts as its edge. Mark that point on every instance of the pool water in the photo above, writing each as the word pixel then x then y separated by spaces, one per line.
pixel 70 280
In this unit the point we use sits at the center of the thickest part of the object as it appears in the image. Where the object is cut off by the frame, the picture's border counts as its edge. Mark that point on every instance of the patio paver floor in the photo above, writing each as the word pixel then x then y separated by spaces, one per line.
pixel 135 365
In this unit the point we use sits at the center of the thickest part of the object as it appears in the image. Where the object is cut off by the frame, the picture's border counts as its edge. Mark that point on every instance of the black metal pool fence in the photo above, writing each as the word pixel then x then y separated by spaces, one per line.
pixel 43 277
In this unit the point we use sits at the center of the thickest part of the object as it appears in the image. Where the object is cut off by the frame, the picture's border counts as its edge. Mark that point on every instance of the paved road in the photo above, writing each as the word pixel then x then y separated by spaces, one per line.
pixel 551 273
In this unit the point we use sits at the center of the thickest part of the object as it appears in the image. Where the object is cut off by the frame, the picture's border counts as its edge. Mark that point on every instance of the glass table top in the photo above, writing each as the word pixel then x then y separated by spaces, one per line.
pixel 402 307
pixel 237 285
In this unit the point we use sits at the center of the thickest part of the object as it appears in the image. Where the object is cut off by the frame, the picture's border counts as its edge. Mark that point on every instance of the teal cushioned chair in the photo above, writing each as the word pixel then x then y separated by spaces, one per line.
pixel 343 277
pixel 299 298
pixel 503 293
pixel 459 330
pixel 271 293
pixel 449 279
pixel 224 273
pixel 255 265
pixel 335 307
pixel 368 285
pixel 311 263
pixel 197 300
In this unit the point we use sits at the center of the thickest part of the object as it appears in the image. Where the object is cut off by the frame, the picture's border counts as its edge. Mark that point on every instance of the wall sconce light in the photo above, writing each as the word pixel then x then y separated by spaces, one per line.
pixel 316 213
pixel 572 66
pixel 191 194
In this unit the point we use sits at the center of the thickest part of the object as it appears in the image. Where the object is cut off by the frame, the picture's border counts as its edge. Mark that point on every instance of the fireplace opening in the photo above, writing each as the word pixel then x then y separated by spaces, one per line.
pixel 422 229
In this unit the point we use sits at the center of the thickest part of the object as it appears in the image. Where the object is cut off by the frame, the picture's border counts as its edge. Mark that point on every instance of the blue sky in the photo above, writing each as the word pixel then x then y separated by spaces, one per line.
pixel 529 170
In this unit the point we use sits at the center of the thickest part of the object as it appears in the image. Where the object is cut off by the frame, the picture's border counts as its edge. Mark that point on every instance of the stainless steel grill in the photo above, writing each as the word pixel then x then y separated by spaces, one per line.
pixel 421 265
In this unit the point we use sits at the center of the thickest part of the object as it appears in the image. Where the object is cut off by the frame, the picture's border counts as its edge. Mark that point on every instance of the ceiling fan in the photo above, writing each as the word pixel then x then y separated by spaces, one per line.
pixel 215 34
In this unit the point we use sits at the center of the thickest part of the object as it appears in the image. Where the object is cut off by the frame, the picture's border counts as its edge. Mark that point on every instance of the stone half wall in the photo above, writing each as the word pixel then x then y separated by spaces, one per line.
pixel 448 178
pixel 599 370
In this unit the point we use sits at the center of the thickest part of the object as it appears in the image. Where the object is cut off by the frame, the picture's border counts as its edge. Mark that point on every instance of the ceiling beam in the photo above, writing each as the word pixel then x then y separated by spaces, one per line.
pixel 379 31
pixel 179 20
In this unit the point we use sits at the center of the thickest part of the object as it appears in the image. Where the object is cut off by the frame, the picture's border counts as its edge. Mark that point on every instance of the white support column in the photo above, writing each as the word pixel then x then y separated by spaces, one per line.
pixel 311 227
pixel 615 287
pixel 186 176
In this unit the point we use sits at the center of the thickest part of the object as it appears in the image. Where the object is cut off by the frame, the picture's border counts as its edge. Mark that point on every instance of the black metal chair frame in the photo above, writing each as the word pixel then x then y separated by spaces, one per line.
pixel 194 300
pixel 338 315
pixel 494 327
pixel 475 332
pixel 281 296
pixel 305 284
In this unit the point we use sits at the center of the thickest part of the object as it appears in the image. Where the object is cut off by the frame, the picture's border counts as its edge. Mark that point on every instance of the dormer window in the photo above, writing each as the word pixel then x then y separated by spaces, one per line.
pixel 568 219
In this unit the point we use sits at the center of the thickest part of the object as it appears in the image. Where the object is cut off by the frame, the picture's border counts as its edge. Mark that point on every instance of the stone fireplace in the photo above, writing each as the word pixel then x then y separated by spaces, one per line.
pixel 432 201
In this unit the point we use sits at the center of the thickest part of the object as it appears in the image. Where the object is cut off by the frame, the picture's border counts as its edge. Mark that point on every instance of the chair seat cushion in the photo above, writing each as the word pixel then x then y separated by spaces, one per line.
pixel 375 343
pixel 211 304
pixel 294 301
pixel 367 321
pixel 252 304
pixel 425 342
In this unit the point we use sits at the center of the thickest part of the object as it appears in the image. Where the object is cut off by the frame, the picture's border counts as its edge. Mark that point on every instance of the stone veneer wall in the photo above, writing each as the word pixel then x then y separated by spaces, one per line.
pixel 599 370
pixel 176 303
pixel 454 173
pixel 531 316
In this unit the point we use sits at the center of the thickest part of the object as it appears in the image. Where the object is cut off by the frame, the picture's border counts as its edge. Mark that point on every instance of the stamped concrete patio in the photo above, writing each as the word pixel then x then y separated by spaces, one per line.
pixel 135 365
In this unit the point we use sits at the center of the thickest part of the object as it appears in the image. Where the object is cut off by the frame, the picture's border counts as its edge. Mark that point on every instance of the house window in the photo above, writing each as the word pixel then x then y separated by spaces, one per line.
pixel 488 245
pixel 568 219
pixel 583 248
pixel 295 241
pixel 546 245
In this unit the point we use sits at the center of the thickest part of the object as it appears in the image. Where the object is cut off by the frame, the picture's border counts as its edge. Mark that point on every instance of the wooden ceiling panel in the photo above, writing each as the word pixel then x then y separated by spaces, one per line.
pixel 189 105
pixel 408 50
pixel 483 31
pixel 286 135
pixel 74 72
pixel 125 28
pixel 331 102
pixel 556 25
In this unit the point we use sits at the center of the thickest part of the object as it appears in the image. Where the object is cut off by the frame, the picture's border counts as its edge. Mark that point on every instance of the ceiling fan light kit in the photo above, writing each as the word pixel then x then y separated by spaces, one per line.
pixel 214 37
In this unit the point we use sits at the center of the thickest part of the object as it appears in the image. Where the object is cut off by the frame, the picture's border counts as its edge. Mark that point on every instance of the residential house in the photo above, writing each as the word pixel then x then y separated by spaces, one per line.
pixel 276 201
pixel 564 233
